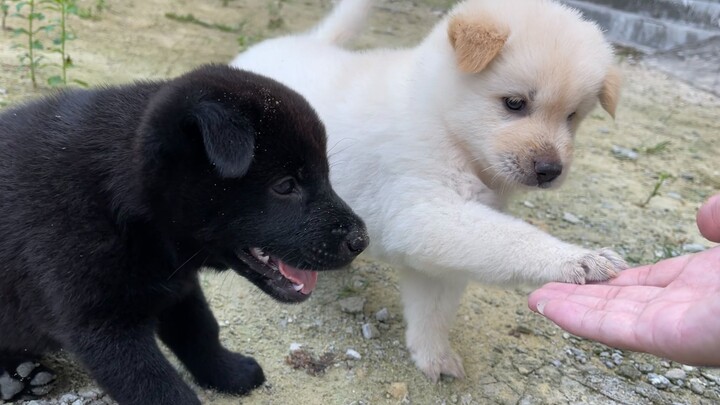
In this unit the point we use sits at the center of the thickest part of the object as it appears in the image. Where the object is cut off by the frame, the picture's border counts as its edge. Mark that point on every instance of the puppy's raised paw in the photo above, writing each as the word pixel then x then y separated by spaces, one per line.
pixel 599 265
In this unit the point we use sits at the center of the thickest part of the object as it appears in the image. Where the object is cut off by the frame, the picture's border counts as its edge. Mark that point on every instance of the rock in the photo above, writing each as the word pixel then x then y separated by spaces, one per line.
pixel 42 390
pixel 568 217
pixel 369 331
pixel 675 374
pixel 78 402
pixel 382 315
pixel 629 371
pixel 528 204
pixel 697 386
pixel 693 247
pixel 68 398
pixel 351 354
pixel 624 153
pixel 95 394
pixel 711 376
pixel 24 369
pixel 646 368
pixel 352 305
pixel 658 381
pixel 398 390
pixel 294 346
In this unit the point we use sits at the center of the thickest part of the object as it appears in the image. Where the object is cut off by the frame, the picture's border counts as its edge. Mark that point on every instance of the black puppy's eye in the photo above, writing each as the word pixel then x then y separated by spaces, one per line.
pixel 514 103
pixel 571 116
pixel 285 186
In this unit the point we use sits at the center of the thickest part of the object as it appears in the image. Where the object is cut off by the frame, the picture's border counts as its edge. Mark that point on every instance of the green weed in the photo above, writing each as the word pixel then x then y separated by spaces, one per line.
pixel 656 189
pixel 4 9
pixel 657 149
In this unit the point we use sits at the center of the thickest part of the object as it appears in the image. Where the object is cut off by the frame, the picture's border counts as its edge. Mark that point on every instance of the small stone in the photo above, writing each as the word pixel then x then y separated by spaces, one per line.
pixel 24 369
pixel 675 374
pixel 9 387
pixel 603 130
pixel 565 335
pixel 369 331
pixel 42 390
pixel 628 371
pixel 528 204
pixel 568 217
pixel 454 398
pixel 609 364
pixel 398 390
pixel 351 354
pixel 693 247
pixel 382 315
pixel 658 381
pixel 78 402
pixel 674 195
pixel 556 363
pixel 696 386
pixel 624 153
pixel 94 394
pixel 294 346
pixel 352 305
pixel 646 368
pixel 687 176
pixel 68 398
pixel 665 364
pixel 711 376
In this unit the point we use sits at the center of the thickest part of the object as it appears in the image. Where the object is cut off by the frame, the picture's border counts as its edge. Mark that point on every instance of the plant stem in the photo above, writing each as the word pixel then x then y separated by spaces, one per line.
pixel 63 15
pixel 31 53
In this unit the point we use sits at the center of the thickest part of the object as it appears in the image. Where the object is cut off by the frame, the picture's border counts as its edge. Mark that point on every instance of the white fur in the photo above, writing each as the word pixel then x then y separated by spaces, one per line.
pixel 416 148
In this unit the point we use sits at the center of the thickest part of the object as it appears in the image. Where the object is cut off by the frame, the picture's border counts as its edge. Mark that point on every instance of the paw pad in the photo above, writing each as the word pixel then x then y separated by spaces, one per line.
pixel 27 379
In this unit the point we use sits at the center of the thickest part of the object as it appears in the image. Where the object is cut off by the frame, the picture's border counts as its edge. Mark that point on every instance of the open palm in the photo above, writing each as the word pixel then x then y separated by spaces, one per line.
pixel 670 309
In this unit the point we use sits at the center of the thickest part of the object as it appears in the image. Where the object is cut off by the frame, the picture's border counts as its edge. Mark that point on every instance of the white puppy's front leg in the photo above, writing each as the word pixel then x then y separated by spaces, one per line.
pixel 449 235
pixel 430 304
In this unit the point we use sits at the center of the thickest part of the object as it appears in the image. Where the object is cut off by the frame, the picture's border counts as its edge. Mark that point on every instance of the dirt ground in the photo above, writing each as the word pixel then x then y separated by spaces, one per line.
pixel 664 127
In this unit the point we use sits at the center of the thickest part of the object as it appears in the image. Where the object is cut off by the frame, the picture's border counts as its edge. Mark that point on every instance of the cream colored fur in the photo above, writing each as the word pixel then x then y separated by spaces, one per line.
pixel 424 148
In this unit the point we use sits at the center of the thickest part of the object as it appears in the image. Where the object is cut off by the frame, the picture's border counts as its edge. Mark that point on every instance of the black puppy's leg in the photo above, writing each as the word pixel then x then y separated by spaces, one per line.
pixel 191 331
pixel 23 376
pixel 129 365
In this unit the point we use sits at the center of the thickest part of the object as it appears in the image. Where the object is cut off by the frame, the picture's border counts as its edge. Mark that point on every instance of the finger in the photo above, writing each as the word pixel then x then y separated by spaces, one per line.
pixel 708 219
pixel 597 296
pixel 659 274
pixel 612 328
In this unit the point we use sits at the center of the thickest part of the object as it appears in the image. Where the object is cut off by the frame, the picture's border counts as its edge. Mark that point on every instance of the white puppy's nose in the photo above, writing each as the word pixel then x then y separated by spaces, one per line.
pixel 547 171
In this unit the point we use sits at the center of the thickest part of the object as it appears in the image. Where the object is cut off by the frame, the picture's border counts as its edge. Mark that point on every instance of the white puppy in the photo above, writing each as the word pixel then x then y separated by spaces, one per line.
pixel 429 142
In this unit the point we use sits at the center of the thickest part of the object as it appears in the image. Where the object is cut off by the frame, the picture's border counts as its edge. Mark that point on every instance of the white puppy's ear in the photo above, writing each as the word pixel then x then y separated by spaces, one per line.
pixel 610 92
pixel 476 41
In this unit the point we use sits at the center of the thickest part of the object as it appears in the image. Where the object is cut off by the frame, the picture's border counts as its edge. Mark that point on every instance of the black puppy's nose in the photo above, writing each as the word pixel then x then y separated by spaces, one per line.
pixel 547 171
pixel 357 241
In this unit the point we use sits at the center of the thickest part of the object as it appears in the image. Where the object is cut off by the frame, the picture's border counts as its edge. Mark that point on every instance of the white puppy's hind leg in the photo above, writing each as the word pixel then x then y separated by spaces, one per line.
pixel 430 305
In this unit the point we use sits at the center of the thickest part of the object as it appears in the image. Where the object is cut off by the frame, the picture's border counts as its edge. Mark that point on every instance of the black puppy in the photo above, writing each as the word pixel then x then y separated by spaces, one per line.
pixel 111 201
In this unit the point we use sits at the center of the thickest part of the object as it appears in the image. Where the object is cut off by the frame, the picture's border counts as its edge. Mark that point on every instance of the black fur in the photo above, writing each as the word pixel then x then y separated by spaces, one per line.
pixel 111 200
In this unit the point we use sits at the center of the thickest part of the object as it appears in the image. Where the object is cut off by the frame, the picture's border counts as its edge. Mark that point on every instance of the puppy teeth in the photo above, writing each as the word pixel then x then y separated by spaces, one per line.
pixel 298 287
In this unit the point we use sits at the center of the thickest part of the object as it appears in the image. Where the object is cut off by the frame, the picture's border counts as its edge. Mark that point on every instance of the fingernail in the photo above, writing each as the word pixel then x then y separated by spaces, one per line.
pixel 541 307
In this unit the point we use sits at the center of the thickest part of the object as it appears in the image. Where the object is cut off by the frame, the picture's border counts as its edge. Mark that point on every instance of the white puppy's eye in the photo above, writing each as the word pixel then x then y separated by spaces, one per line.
pixel 285 186
pixel 515 104
pixel 571 116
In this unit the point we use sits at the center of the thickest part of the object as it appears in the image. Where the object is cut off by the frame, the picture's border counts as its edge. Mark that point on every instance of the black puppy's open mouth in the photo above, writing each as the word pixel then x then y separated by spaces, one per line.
pixel 279 275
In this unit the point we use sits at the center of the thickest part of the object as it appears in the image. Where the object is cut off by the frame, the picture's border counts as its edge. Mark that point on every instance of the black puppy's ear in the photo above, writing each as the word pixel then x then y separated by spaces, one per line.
pixel 229 138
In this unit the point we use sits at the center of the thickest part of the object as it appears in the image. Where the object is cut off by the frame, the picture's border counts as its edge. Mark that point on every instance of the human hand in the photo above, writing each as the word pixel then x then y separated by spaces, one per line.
pixel 670 309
